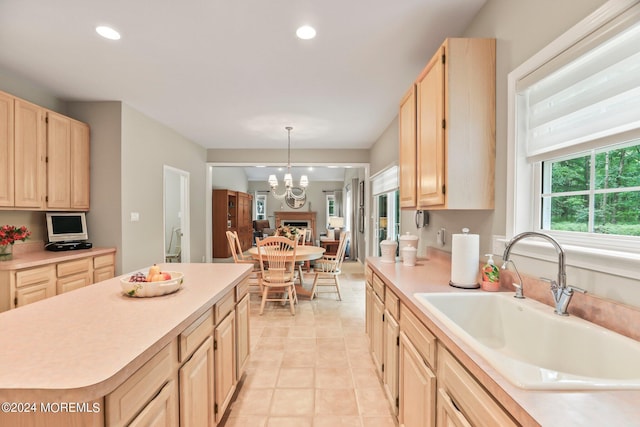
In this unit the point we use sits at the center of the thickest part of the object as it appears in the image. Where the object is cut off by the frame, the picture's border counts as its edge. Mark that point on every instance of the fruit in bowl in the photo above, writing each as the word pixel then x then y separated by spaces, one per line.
pixel 145 285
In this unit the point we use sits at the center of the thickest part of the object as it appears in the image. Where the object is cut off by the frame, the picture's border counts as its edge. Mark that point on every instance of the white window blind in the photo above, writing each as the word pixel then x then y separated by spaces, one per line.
pixel 385 181
pixel 586 93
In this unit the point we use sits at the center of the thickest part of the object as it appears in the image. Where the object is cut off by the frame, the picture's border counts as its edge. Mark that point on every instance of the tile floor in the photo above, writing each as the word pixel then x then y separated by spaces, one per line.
pixel 314 368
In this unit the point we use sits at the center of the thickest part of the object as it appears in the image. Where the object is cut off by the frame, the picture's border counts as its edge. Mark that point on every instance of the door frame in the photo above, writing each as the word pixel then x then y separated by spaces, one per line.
pixel 185 214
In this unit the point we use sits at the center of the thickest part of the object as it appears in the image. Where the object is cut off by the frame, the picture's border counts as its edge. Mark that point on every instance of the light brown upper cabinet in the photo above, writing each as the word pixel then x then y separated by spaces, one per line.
pixel 407 125
pixel 454 130
pixel 67 163
pixel 29 156
pixel 6 149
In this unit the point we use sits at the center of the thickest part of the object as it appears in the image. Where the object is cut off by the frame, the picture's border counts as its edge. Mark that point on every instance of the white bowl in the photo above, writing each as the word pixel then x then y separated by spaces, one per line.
pixel 152 289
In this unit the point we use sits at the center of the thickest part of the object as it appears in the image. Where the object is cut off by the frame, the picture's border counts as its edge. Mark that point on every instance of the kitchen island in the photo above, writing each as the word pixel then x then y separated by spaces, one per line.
pixel 74 355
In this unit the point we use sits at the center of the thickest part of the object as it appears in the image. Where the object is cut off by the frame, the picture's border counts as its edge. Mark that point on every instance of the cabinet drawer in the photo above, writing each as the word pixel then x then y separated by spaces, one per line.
pixel 191 338
pixel 30 294
pixel 141 387
pixel 422 339
pixel 224 306
pixel 73 267
pixel 368 274
pixel 34 276
pixel 475 403
pixel 242 289
pixel 104 260
pixel 378 286
pixel 71 283
pixel 392 303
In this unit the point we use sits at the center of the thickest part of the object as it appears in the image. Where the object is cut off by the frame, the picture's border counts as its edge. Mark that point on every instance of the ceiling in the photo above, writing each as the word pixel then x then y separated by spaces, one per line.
pixel 231 73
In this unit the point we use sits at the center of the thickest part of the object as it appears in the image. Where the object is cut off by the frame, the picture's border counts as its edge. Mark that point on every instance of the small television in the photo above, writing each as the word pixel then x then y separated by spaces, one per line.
pixel 66 226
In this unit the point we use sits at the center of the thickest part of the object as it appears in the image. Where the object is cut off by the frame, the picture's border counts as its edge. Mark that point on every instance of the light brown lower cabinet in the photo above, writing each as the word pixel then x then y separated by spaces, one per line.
pixel 417 388
pixel 243 344
pixel 391 359
pixel 160 411
pixel 34 284
pixel 225 363
pixel 377 332
pixel 196 388
pixel 468 397
pixel 448 414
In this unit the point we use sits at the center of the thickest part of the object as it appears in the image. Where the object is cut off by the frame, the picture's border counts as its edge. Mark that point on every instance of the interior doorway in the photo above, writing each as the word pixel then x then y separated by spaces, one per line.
pixel 176 215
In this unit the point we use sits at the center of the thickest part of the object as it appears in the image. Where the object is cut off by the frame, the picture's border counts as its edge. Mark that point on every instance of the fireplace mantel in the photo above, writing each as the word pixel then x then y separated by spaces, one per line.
pixel 297 216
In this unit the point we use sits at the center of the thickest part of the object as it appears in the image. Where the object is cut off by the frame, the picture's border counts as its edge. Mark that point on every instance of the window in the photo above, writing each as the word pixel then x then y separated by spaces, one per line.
pixel 596 192
pixel 384 188
pixel 261 206
pixel 331 206
pixel 574 137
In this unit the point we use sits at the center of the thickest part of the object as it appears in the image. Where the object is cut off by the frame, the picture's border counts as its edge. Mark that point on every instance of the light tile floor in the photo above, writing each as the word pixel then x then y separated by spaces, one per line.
pixel 312 369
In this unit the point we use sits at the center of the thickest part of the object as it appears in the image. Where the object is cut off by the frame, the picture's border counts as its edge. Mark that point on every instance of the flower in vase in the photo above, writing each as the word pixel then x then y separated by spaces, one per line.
pixel 287 231
pixel 10 233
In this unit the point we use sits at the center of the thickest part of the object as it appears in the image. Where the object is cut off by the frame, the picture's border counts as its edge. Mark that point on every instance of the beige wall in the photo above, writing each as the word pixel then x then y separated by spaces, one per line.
pixel 146 147
pixel 384 152
pixel 229 178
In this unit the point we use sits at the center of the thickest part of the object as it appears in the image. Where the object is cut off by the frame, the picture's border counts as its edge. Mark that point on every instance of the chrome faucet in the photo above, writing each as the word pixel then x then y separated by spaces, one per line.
pixel 561 292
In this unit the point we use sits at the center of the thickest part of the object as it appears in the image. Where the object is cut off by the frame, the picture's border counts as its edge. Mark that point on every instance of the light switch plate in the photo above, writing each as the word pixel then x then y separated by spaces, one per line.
pixel 135 216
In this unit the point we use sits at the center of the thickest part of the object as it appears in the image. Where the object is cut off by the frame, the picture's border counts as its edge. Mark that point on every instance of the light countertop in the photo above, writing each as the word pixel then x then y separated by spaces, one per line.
pixel 529 407
pixel 42 257
pixel 81 345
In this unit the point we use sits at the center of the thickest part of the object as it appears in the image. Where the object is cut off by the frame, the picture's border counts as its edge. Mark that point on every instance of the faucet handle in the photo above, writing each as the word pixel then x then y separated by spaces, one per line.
pixel 577 289
pixel 519 292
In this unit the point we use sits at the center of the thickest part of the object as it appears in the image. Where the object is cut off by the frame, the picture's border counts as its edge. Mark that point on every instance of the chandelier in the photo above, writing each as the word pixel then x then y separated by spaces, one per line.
pixel 290 192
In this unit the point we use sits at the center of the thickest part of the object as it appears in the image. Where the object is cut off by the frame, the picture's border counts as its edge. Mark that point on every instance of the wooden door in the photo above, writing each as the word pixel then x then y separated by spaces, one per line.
pixel 225 363
pixel 29 155
pixel 391 366
pixel 80 165
pixel 417 391
pixel 243 341
pixel 6 150
pixel 377 332
pixel 70 283
pixel 160 412
pixel 197 388
pixel 431 138
pixel 407 124
pixel 448 415
pixel 58 161
pixel 29 294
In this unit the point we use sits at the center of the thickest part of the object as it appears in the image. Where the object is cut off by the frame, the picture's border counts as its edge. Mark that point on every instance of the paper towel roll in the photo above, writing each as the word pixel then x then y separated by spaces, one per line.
pixel 465 260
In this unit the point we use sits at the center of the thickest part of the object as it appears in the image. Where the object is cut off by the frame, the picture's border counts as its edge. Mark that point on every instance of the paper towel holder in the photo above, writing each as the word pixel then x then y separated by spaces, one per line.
pixel 463 285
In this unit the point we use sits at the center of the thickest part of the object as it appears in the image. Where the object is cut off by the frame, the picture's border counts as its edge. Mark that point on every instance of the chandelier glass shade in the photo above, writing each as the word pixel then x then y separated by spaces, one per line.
pixel 289 193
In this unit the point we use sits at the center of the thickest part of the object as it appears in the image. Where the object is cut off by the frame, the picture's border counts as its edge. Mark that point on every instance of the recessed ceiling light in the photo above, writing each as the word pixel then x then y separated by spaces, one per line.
pixel 108 33
pixel 260 166
pixel 332 167
pixel 306 32
pixel 309 168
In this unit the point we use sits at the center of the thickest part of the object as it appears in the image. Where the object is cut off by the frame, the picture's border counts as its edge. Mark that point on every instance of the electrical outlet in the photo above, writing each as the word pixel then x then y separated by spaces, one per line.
pixel 441 236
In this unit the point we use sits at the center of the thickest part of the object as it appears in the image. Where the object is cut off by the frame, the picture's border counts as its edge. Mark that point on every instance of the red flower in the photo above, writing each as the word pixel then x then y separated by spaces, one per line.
pixel 9 234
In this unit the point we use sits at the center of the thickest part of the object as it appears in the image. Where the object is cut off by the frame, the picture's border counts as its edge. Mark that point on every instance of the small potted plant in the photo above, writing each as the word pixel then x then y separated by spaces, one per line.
pixel 8 236
pixel 287 231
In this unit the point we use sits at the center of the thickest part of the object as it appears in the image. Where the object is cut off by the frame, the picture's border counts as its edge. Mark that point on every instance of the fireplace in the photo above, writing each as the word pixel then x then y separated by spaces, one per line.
pixel 297 219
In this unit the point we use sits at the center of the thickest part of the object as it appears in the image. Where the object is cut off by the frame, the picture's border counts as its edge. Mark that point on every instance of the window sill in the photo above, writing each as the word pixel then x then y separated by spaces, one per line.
pixel 617 263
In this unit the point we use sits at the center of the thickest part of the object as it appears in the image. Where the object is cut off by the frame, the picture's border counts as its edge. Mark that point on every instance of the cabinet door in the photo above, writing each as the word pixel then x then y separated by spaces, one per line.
pixel 407 124
pixel 103 273
pixel 29 294
pixel 242 324
pixel 391 366
pixel 448 414
pixel 160 411
pixel 430 128
pixel 58 161
pixel 377 332
pixel 196 388
pixel 6 150
pixel 225 363
pixel 369 314
pixel 80 161
pixel 417 388
pixel 70 283
pixel 29 155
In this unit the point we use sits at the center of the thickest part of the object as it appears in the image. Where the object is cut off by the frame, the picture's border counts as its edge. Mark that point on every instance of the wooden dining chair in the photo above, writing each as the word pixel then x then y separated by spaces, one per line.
pixel 328 269
pixel 255 284
pixel 278 280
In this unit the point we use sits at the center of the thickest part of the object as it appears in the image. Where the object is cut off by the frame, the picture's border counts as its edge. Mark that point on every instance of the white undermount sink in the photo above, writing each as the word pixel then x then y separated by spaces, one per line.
pixel 535 348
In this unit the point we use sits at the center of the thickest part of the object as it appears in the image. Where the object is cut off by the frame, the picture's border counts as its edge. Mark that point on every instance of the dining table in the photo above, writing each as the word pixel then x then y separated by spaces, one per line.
pixel 303 253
